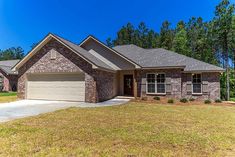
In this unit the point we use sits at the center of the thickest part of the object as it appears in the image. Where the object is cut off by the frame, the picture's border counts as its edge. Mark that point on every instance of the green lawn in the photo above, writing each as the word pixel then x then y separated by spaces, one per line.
pixel 232 99
pixel 8 93
pixel 8 96
pixel 136 129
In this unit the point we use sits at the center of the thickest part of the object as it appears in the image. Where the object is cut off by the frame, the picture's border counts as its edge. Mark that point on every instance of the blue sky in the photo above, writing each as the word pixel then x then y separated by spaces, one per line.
pixel 23 22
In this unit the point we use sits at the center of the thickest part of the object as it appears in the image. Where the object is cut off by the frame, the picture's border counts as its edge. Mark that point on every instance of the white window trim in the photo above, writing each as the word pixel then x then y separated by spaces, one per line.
pixel 197 83
pixel 155 93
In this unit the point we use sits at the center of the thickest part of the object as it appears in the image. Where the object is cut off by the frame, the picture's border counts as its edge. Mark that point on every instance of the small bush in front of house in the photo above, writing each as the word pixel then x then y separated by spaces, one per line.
pixel 156 98
pixel 170 101
pixel 208 101
pixel 191 99
pixel 218 101
pixel 183 100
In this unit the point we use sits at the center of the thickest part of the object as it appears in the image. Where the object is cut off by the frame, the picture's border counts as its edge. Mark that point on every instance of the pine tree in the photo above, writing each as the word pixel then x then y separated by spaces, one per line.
pixel 222 28
pixel 166 36
pixel 125 35
pixel 143 32
pixel 180 40
pixel 12 53
pixel 152 39
pixel 109 42
pixel 232 43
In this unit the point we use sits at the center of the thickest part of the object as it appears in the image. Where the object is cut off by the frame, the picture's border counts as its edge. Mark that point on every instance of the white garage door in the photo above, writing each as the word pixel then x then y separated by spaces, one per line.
pixel 56 87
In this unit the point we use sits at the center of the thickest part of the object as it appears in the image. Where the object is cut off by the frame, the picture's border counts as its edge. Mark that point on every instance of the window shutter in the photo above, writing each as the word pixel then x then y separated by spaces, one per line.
pixel 143 85
pixel 168 85
pixel 53 54
pixel 189 88
pixel 205 83
pixel 205 88
pixel 189 84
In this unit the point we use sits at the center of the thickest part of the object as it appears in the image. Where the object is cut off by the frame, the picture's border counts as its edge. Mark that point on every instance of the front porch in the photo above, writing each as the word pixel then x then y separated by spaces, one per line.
pixel 126 83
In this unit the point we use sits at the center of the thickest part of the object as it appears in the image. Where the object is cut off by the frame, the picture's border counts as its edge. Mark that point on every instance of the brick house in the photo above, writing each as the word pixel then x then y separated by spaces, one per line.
pixel 57 69
pixel 8 78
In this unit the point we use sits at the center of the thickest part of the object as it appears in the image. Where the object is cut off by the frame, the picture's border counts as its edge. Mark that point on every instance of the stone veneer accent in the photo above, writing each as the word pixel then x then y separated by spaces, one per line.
pixel 98 84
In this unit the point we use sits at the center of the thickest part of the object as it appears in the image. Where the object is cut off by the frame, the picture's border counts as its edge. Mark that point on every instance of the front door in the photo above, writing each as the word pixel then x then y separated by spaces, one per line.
pixel 128 85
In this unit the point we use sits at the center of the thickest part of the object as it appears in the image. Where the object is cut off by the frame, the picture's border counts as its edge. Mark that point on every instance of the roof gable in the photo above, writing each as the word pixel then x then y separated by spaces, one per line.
pixel 95 62
pixel 90 37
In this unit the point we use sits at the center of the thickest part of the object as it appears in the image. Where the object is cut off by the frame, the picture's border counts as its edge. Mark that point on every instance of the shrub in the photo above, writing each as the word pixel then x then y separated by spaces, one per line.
pixel 156 98
pixel 208 101
pixel 183 100
pixel 191 99
pixel 218 101
pixel 171 101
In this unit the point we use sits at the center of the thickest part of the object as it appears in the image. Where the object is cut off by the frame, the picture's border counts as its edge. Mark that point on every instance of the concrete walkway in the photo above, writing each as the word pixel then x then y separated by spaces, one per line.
pixel 26 108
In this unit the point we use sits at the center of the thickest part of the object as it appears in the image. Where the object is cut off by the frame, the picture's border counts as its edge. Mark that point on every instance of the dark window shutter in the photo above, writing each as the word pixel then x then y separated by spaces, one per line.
pixel 189 84
pixel 168 85
pixel 205 89
pixel 189 88
pixel 143 85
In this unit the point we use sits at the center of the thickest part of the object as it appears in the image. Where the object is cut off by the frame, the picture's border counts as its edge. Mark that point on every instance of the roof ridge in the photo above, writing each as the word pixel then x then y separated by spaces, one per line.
pixel 182 55
pixel 161 57
pixel 128 45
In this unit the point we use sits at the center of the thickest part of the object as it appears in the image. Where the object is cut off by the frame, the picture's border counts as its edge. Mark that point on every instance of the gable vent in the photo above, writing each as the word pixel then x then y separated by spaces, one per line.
pixel 53 54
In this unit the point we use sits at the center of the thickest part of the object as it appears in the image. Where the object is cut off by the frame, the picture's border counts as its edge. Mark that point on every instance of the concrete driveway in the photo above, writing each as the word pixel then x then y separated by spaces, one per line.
pixel 26 108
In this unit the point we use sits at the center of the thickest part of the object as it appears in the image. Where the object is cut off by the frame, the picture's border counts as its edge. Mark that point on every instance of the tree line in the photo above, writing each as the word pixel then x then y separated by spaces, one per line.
pixel 209 41
pixel 11 53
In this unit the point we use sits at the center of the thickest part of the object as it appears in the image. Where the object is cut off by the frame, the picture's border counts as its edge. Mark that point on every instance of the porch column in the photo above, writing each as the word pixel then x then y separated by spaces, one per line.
pixel 135 84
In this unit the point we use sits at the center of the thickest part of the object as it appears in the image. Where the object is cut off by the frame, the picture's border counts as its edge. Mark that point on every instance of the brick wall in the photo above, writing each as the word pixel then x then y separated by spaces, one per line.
pixel 211 80
pixel 173 75
pixel 9 81
pixel 66 61
pixel 179 81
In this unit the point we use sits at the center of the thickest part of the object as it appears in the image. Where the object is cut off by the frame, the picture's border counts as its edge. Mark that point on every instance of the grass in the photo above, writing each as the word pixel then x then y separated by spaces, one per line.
pixel 8 93
pixel 8 97
pixel 232 99
pixel 135 129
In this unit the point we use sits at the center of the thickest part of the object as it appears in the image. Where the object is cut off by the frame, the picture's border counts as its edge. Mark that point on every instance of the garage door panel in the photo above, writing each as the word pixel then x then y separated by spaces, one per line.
pixel 56 87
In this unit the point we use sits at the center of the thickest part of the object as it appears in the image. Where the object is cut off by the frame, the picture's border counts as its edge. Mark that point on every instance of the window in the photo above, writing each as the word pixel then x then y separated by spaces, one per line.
pixel 151 83
pixel 197 83
pixel 156 84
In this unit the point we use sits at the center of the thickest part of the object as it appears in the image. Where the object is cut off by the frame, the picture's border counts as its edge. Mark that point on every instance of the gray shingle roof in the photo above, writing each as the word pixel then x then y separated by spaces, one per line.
pixel 156 58
pixel 85 54
pixel 7 65
pixel 10 63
